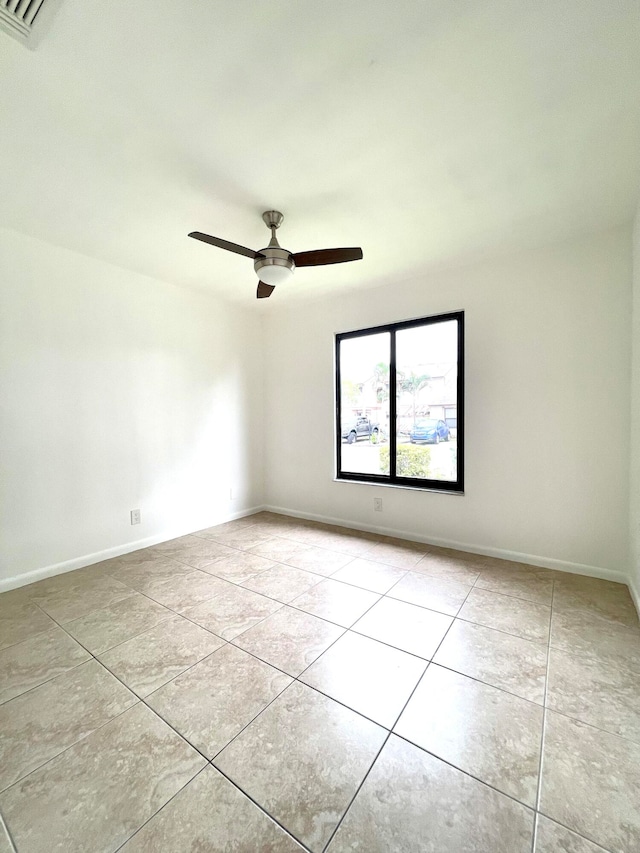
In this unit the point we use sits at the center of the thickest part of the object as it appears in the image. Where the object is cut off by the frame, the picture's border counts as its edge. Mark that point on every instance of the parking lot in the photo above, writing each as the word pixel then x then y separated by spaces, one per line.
pixel 363 457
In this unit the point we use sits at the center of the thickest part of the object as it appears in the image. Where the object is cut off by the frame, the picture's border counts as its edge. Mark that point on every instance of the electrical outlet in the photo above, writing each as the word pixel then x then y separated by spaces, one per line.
pixel 135 516
pixel 377 504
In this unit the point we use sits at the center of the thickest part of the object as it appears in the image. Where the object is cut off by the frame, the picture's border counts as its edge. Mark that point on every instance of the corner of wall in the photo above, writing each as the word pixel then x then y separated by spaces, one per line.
pixel 634 468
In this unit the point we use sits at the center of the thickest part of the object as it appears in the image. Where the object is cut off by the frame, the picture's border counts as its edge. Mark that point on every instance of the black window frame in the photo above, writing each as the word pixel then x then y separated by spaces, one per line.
pixel 392 479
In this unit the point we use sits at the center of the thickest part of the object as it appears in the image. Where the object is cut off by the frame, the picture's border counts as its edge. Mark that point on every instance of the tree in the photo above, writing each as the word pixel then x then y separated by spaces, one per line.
pixel 381 378
pixel 351 393
pixel 413 384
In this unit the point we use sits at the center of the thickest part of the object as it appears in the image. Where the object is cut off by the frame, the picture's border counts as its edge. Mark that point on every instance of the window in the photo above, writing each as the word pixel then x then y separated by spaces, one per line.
pixel 400 403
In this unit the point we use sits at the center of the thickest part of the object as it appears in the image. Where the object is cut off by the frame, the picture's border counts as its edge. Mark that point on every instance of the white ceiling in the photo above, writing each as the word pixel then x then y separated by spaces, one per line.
pixel 427 131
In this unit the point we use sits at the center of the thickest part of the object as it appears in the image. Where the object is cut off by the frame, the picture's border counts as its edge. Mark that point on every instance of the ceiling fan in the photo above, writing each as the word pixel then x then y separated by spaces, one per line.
pixel 275 265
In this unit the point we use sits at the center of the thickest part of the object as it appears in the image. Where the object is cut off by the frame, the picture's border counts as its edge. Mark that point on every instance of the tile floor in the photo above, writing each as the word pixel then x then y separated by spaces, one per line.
pixel 277 685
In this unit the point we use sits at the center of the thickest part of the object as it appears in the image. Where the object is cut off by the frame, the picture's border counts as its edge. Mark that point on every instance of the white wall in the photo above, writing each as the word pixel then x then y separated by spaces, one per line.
pixel 547 406
pixel 634 483
pixel 117 392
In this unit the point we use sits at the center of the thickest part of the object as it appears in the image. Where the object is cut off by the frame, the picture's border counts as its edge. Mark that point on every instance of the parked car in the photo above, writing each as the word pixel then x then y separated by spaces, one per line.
pixel 360 428
pixel 429 430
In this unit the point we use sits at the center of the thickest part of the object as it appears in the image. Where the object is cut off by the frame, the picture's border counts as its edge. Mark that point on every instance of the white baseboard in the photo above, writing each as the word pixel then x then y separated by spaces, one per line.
pixel 117 551
pixel 501 553
pixel 516 556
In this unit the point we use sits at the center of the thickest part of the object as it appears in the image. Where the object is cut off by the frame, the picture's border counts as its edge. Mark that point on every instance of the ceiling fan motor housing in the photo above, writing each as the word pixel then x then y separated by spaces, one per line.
pixel 274 265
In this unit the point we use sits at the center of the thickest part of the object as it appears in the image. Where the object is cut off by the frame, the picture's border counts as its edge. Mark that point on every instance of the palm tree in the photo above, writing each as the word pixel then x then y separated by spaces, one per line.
pixel 381 378
pixel 413 384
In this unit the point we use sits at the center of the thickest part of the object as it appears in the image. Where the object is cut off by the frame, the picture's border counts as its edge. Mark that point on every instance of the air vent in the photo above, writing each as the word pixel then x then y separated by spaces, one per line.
pixel 17 16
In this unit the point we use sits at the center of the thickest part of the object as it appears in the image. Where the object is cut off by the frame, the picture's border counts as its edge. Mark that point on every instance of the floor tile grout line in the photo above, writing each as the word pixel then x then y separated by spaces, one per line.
pixel 346 630
pixel 435 652
pixel 487 683
pixel 544 727
pixel 9 836
pixel 157 812
pixel 180 615
pixel 262 808
pixel 501 630
pixel 70 746
pixel 390 732
pixel 255 717
pixel 295 679
pixel 484 782
pixel 358 789
pixel 575 832
pixel 426 668
pixel 428 661
pixel 52 678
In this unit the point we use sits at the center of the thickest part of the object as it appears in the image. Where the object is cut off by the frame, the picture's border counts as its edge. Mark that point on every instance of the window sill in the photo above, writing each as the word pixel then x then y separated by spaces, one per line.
pixel 427 491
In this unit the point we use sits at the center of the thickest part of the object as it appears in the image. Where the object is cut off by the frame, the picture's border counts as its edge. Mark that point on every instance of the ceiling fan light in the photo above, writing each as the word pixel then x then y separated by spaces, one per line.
pixel 275 274
pixel 274 265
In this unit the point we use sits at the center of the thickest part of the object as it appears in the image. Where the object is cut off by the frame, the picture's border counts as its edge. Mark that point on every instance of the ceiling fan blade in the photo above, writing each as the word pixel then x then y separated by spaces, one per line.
pixel 224 244
pixel 326 256
pixel 265 290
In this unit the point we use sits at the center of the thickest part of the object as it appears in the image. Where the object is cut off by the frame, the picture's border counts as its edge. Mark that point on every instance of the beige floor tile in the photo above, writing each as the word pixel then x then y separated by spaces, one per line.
pixel 239 567
pixel 103 629
pixel 81 598
pixel 482 730
pixel 153 658
pixel 281 550
pixel 370 677
pixel 595 690
pixel 334 538
pixel 228 526
pixel 307 533
pixel 441 563
pixel 15 597
pixel 407 627
pixel 587 633
pixel 604 598
pixel 215 699
pixel 96 794
pixel 502 660
pixel 172 546
pixel 20 620
pixel 140 575
pixel 415 803
pixel 520 583
pixel 6 846
pixel 553 838
pixel 338 602
pixel 203 553
pixel 516 616
pixel 367 574
pixel 289 639
pixel 211 814
pixel 302 760
pixel 442 594
pixel 37 660
pixel 233 612
pixel 319 560
pixel 344 541
pixel 498 565
pixel 139 555
pixel 284 583
pixel 64 581
pixel 43 722
pixel 186 591
pixel 282 525
pixel 590 783
pixel 243 539
pixel 401 555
